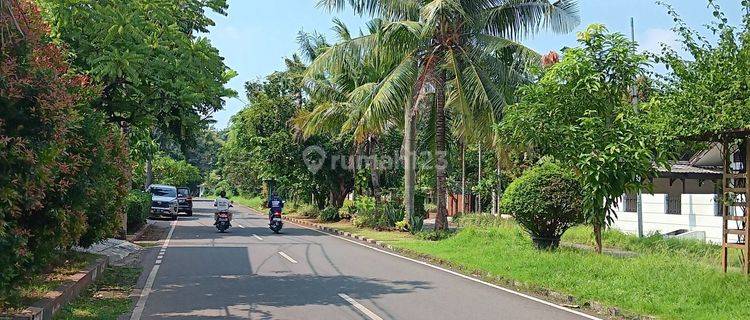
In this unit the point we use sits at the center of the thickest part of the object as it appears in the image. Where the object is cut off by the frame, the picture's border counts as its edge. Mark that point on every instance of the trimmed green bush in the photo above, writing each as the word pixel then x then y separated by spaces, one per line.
pixel 330 214
pixel 137 206
pixel 545 201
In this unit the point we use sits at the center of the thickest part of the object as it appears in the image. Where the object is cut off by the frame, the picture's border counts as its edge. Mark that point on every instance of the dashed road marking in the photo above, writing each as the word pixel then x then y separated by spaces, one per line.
pixel 257 237
pixel 287 257
pixel 360 307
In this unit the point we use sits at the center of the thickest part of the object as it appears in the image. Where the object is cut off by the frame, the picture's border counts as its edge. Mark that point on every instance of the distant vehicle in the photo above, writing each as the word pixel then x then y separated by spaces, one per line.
pixel 184 201
pixel 163 201
pixel 223 216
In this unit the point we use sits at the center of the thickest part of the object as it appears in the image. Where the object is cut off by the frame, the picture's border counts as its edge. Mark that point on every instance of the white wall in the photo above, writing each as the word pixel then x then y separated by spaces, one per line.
pixel 698 211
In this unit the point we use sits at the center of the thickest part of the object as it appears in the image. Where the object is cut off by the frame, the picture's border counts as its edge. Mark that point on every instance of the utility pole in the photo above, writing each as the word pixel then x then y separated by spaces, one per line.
pixel 634 101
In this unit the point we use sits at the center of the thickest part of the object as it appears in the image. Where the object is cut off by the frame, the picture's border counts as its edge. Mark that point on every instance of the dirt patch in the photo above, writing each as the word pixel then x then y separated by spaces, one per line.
pixel 154 233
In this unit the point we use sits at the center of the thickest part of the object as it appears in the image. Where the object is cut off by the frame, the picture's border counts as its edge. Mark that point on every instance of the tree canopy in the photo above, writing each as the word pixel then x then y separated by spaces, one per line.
pixel 708 92
pixel 152 69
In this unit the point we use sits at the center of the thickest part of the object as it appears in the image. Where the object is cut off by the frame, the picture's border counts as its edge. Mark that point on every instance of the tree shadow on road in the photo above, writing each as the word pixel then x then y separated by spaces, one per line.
pixel 229 291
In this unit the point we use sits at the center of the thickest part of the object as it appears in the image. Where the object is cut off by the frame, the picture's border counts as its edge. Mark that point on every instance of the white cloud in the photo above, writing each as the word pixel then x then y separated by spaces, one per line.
pixel 653 39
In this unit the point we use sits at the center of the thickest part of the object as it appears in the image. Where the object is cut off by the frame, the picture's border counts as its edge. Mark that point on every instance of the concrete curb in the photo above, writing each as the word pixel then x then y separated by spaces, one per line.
pixel 341 233
pixel 46 308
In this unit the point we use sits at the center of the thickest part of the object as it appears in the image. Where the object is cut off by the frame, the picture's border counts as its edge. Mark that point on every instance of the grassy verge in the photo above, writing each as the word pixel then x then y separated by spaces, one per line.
pixel 57 274
pixel 665 280
pixel 255 203
pixel 108 298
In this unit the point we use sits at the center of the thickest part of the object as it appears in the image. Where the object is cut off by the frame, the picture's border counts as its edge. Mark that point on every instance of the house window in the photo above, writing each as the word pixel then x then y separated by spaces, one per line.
pixel 630 201
pixel 673 203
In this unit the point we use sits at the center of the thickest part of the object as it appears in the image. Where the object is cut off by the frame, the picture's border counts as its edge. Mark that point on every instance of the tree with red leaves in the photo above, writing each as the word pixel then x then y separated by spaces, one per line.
pixel 63 169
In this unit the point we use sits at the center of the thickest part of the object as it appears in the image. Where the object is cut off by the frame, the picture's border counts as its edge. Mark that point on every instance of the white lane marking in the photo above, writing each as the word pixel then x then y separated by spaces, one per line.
pixel 257 237
pixel 141 304
pixel 241 226
pixel 158 261
pixel 532 298
pixel 360 307
pixel 287 257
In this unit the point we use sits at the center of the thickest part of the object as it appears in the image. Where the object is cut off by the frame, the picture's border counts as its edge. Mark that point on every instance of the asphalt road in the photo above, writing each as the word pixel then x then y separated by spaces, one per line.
pixel 251 273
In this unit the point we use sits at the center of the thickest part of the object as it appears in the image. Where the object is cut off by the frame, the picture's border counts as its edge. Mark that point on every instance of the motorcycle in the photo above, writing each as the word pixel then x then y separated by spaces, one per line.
pixel 276 222
pixel 223 220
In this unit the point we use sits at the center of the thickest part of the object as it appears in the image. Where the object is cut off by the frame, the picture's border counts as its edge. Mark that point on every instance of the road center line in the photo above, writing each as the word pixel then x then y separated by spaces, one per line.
pixel 287 257
pixel 141 304
pixel 360 307
pixel 257 237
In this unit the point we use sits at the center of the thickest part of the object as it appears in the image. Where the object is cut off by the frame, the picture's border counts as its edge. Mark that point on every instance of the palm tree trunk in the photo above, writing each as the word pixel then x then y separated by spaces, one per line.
pixel 497 189
pixel 463 178
pixel 374 173
pixel 409 159
pixel 441 220
pixel 479 180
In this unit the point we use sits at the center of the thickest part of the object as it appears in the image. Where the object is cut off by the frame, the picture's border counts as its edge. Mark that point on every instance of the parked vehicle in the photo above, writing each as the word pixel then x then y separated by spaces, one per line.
pixel 163 201
pixel 184 201
pixel 276 222
pixel 222 216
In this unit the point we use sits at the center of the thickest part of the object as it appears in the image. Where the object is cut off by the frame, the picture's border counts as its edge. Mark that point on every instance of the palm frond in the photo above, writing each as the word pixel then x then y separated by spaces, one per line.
pixel 516 19
pixel 390 9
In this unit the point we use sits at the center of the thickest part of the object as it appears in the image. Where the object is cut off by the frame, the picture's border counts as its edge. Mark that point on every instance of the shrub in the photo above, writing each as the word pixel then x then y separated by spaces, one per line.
pixel 348 210
pixel 392 213
pixel 330 214
pixel 137 206
pixel 430 208
pixel 545 201
pixel 366 215
pixel 65 169
pixel 417 221
pixel 309 211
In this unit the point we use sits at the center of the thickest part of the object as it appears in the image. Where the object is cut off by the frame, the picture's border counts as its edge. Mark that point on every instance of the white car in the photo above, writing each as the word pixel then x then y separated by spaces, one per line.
pixel 163 201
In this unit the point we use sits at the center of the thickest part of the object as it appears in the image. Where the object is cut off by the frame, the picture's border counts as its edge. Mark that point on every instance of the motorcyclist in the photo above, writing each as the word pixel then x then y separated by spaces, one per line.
pixel 222 204
pixel 275 204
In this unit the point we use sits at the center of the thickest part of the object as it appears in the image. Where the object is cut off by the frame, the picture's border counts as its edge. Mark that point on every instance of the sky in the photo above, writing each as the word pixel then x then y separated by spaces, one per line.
pixel 257 35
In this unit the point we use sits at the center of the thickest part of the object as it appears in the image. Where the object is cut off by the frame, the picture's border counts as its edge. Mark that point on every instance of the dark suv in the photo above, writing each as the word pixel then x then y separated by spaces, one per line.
pixel 184 200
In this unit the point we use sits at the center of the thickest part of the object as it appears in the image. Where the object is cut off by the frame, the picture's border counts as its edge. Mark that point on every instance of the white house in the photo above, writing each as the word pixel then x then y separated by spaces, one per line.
pixel 685 200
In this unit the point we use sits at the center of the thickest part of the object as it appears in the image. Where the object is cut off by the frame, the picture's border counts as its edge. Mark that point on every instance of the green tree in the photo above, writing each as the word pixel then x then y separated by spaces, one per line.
pixel 454 46
pixel 262 143
pixel 178 173
pixel 580 113
pixel 709 92
pixel 344 99
pixel 154 72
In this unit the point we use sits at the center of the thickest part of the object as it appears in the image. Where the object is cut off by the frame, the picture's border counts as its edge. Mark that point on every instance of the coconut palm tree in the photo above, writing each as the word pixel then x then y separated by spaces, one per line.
pixel 459 48
pixel 347 94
